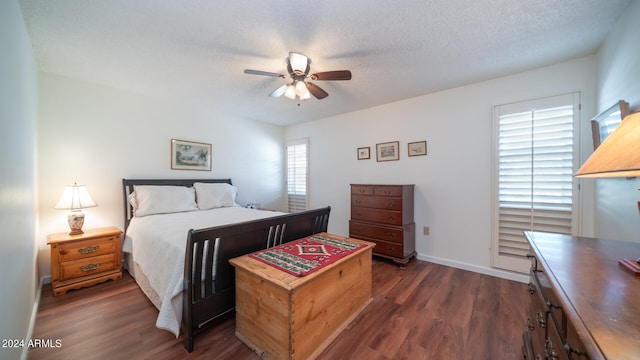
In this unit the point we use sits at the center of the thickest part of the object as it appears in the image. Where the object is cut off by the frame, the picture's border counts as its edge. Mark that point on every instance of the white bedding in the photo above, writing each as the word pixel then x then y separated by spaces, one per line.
pixel 158 243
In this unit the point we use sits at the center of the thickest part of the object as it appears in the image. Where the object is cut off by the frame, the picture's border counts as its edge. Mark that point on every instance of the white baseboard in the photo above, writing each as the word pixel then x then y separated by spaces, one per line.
pixel 34 314
pixel 505 274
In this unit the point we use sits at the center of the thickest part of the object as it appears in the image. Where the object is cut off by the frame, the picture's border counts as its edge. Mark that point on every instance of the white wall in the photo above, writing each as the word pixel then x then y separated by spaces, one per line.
pixel 18 114
pixel 619 79
pixel 97 135
pixel 454 181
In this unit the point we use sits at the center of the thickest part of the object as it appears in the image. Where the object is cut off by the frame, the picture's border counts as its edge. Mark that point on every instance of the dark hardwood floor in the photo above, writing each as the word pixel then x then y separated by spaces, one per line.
pixel 426 311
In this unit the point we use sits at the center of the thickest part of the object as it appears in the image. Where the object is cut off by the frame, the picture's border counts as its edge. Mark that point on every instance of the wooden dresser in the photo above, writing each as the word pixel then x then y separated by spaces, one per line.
pixel 85 259
pixel 584 305
pixel 384 214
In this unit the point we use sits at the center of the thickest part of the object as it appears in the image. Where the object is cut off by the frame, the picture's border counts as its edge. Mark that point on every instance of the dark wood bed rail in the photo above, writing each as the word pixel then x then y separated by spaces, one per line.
pixel 207 298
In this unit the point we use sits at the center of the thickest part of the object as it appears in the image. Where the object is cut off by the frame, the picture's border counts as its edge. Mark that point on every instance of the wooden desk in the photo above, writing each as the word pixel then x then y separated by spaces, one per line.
pixel 591 303
pixel 282 316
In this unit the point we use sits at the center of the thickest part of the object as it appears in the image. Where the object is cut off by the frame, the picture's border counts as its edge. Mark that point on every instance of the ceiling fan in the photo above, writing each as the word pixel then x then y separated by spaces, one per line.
pixel 298 67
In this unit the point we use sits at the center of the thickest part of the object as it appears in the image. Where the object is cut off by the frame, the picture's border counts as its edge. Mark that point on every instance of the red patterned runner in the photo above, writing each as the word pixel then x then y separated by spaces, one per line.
pixel 307 255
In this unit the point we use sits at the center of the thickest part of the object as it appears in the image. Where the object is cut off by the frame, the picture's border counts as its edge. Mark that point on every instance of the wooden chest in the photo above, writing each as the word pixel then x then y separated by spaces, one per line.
pixel 85 259
pixel 383 214
pixel 282 316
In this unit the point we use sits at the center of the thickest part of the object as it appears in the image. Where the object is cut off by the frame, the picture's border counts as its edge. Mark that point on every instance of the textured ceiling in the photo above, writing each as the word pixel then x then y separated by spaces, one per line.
pixel 197 50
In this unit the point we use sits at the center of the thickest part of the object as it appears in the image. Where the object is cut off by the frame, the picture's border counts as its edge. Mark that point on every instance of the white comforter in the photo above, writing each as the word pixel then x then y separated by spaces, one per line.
pixel 158 244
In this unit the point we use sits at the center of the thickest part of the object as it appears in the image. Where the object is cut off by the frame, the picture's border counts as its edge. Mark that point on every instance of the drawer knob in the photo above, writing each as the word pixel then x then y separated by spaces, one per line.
pixel 552 305
pixel 361 191
pixel 387 192
pixel 89 249
pixel 530 324
pixel 391 203
pixel 532 289
pixel 391 218
pixel 541 320
pixel 391 235
pixel 89 267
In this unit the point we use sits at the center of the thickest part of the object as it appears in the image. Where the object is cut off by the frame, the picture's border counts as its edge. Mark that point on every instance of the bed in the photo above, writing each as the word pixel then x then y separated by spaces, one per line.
pixel 179 236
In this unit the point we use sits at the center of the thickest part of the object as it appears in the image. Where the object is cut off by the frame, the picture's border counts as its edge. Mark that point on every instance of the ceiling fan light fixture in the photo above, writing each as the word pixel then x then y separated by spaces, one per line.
pixel 290 92
pixel 306 95
pixel 298 62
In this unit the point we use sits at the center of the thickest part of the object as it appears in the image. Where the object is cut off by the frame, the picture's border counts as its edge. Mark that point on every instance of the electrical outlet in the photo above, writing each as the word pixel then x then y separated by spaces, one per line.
pixel 425 230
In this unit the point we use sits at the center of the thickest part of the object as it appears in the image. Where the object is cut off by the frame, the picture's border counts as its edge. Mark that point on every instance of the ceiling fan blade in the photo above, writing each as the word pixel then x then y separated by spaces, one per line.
pixel 316 91
pixel 279 91
pixel 263 73
pixel 332 75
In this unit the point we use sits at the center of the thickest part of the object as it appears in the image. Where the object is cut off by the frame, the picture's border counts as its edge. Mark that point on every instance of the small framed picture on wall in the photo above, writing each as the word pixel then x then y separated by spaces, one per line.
pixel 388 151
pixel 418 148
pixel 364 153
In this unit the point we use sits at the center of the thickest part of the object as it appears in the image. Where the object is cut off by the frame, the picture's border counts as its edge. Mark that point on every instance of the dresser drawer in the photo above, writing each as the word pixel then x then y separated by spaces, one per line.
pixel 377 202
pixel 87 248
pixel 83 267
pixel 380 216
pixel 382 190
pixel 362 189
pixel 377 232
pixel 386 248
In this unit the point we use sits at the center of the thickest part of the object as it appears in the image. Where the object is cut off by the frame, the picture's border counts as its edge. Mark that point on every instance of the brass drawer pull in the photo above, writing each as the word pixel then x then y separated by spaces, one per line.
pixel 89 249
pixel 391 203
pixel 361 190
pixel 89 267
pixel 391 235
pixel 530 324
pixel 541 320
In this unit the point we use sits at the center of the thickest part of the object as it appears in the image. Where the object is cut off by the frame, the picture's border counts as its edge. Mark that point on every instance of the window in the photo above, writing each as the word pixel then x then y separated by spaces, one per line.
pixel 297 174
pixel 534 166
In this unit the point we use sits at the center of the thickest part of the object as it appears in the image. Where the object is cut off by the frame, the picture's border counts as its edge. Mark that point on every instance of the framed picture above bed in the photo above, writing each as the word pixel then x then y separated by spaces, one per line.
pixel 190 155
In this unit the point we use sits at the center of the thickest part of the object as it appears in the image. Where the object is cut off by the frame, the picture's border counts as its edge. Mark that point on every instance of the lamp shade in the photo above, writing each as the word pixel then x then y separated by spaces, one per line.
pixel 75 197
pixel 619 153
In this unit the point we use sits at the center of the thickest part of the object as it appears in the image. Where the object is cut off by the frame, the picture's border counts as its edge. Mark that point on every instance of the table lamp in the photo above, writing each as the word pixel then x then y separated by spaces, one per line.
pixel 617 156
pixel 75 198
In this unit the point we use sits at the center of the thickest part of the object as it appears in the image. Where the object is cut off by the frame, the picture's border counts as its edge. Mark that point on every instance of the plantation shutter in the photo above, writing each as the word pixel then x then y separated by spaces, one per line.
pixel 534 172
pixel 297 174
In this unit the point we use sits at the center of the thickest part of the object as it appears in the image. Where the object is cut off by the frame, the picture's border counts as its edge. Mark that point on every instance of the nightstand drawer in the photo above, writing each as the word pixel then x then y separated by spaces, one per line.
pixel 84 267
pixel 87 248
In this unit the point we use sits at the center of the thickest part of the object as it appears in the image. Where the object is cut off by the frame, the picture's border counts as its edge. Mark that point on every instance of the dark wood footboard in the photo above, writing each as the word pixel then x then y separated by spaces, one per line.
pixel 207 297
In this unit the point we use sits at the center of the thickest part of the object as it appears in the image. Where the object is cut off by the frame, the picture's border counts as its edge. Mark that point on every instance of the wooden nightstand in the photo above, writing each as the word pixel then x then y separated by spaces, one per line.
pixel 85 259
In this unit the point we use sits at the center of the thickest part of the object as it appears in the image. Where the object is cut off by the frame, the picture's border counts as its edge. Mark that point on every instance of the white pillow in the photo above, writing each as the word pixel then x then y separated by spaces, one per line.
pixel 215 195
pixel 162 199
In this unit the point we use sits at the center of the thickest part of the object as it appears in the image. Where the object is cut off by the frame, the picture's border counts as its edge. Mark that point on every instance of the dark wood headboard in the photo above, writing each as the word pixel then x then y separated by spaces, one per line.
pixel 127 188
